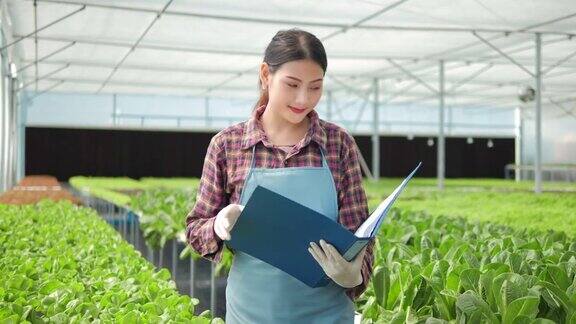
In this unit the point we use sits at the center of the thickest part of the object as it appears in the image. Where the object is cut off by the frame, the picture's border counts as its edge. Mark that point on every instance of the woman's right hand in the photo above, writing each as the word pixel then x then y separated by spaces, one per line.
pixel 226 219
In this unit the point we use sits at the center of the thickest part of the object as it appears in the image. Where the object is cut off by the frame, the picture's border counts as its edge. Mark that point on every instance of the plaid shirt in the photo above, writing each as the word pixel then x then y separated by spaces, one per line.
pixel 227 163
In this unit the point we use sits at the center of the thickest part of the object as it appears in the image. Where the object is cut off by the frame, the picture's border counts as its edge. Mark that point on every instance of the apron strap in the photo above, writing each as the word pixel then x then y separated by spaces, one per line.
pixel 253 162
pixel 324 161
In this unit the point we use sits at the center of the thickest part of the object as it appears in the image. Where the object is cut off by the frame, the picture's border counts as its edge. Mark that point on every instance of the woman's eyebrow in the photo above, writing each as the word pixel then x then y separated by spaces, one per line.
pixel 301 80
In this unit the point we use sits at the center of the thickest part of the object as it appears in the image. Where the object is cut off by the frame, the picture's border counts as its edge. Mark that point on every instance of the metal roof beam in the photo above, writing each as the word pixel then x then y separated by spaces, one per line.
pixel 567 111
pixel 45 76
pixel 259 54
pixel 43 59
pixel 230 88
pixel 142 84
pixel 232 72
pixel 560 62
pixel 470 78
pixel 342 30
pixel 133 47
pixel 141 67
pixel 58 83
pixel 35 32
pixel 503 54
pixel 413 76
pixel 525 29
pixel 357 25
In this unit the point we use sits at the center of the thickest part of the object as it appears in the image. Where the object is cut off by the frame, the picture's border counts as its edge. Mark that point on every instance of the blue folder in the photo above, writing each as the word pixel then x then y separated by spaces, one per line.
pixel 278 231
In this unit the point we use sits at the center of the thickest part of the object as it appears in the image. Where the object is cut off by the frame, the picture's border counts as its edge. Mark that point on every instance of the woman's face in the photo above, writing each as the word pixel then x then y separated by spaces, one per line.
pixel 294 89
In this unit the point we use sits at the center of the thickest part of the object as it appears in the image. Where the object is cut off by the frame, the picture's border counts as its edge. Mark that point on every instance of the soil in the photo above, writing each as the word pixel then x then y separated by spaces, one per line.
pixel 32 189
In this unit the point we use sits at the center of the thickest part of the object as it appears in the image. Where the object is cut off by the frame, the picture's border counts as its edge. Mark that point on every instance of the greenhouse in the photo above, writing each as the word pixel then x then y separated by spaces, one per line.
pixel 145 175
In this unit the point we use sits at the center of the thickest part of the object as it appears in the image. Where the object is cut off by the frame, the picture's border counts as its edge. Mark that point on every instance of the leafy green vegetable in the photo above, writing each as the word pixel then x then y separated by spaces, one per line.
pixel 436 268
pixel 163 217
pixel 434 262
pixel 171 183
pixel 163 213
pixel 62 264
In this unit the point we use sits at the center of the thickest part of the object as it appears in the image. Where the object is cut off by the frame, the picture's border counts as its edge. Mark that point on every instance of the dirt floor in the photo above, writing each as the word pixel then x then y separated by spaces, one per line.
pixel 32 189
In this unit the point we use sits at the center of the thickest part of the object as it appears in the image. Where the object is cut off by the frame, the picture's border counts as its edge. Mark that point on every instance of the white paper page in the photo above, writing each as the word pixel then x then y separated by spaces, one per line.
pixel 377 217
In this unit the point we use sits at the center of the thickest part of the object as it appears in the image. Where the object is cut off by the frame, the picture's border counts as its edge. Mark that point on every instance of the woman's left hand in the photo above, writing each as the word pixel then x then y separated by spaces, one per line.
pixel 346 274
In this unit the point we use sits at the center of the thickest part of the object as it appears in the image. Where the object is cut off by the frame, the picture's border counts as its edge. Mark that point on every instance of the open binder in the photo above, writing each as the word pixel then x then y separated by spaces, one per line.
pixel 278 231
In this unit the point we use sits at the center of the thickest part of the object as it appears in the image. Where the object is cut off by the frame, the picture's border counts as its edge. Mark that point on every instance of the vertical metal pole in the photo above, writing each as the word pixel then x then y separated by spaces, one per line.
pixel 174 260
pixel 111 213
pixel 35 47
pixel 3 135
pixel 4 130
pixel 375 134
pixel 213 289
pixel 538 157
pixel 117 218
pixel 207 111
pixel 124 221
pixel 518 143
pixel 441 158
pixel 133 229
pixel 23 119
pixel 127 222
pixel 154 257
pixel 137 231
pixel 449 123
pixel 9 132
pixel 192 276
pixel 128 225
pixel 13 131
pixel 108 213
pixel 114 110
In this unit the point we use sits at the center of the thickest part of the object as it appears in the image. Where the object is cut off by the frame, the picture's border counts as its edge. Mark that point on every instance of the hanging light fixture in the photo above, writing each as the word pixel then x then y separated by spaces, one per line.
pixel 526 93
pixel 13 70
pixel 430 142
pixel 490 144
pixel 469 140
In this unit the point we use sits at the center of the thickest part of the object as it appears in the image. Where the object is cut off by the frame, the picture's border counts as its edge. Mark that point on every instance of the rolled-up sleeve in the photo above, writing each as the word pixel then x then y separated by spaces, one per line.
pixel 210 199
pixel 353 205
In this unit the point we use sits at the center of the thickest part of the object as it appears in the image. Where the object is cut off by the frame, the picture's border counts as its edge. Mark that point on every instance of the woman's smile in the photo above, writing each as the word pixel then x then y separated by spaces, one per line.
pixel 296 110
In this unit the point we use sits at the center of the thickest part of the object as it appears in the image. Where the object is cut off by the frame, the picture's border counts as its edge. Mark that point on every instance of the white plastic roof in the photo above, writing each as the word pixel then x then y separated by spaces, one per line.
pixel 213 48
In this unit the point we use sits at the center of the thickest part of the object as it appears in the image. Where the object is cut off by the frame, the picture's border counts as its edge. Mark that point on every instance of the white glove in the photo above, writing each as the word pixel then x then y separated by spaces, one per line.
pixel 226 219
pixel 346 274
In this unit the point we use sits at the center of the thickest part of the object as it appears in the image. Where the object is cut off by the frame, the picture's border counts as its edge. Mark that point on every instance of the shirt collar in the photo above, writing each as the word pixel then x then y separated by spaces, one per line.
pixel 254 131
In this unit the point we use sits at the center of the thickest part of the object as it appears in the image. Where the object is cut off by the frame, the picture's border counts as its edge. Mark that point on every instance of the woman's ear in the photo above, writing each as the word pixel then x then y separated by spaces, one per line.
pixel 264 75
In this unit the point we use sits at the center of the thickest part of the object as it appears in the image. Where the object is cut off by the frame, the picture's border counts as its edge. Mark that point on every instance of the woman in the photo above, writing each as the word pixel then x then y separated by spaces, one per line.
pixel 286 148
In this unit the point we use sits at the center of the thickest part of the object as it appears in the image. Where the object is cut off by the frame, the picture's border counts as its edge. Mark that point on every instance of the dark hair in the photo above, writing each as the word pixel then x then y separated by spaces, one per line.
pixel 291 45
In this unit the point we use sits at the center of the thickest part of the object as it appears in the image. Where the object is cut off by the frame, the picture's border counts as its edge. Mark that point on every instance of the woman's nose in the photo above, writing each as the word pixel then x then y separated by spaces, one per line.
pixel 302 98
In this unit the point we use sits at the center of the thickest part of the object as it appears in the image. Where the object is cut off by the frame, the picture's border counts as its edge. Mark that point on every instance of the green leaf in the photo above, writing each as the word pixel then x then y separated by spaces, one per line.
pixel 470 278
pixel 130 318
pixel 381 284
pixel 470 303
pixel 558 277
pixel 523 307
pixel 569 306
pixel 542 321
pixel 70 266
pixel 163 274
